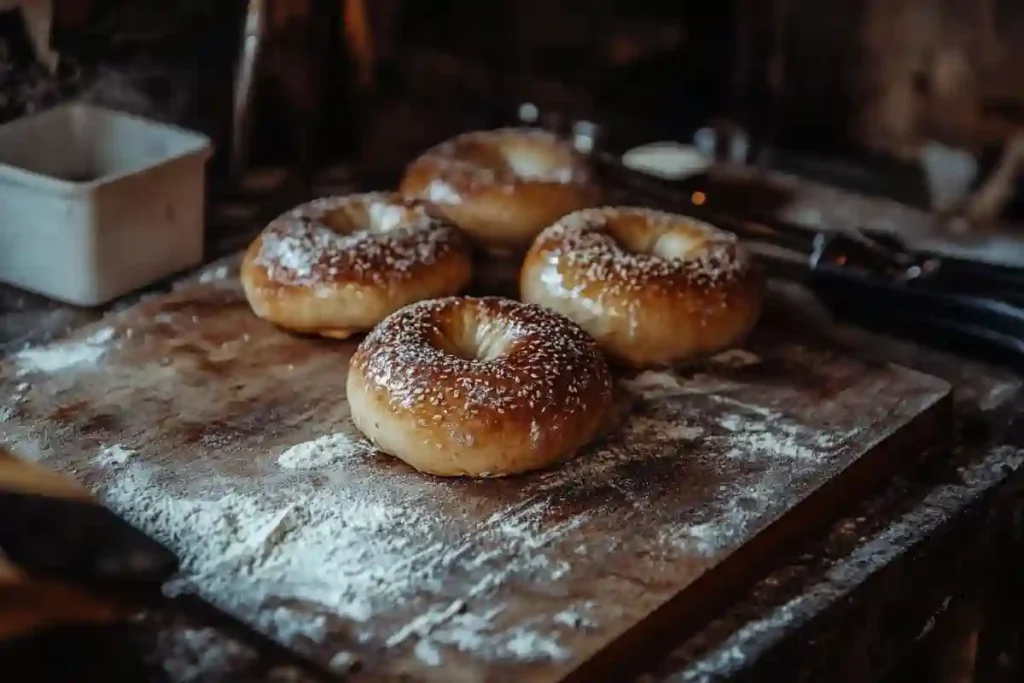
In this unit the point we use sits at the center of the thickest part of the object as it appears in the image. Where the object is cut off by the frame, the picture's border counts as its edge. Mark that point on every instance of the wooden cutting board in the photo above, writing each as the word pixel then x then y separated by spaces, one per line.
pixel 230 441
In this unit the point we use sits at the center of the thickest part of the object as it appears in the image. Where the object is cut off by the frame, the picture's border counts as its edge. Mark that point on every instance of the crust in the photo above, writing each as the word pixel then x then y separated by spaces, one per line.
pixel 600 268
pixel 539 393
pixel 332 267
pixel 472 179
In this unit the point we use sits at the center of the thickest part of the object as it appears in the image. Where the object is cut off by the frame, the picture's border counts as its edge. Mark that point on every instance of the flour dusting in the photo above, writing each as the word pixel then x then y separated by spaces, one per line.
pixel 735 358
pixel 755 438
pixel 358 560
pixel 772 452
pixel 343 662
pixel 10 407
pixel 214 274
pixel 195 654
pixel 360 552
pixel 653 383
pixel 324 451
pixel 377 541
pixel 428 653
pixel 668 430
pixel 113 455
pixel 474 633
pixel 64 355
pixel 731 653
pixel 577 616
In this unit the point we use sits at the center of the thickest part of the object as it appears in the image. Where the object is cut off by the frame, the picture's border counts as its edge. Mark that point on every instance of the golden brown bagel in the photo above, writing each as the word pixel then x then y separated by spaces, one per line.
pixel 483 387
pixel 653 288
pixel 339 265
pixel 503 186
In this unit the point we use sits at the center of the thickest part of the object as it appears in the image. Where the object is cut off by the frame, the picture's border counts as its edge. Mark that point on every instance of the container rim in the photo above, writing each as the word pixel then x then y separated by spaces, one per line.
pixel 194 144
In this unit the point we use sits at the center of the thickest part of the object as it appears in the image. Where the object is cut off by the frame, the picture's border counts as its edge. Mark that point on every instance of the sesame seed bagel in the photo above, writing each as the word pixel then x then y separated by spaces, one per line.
pixel 653 288
pixel 478 387
pixel 339 265
pixel 503 186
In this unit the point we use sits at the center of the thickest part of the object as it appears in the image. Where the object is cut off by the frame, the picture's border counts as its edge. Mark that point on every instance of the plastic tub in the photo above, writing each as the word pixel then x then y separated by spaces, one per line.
pixel 97 203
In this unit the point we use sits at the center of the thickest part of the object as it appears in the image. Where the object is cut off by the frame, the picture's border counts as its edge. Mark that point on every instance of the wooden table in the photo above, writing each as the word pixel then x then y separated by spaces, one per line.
pixel 921 576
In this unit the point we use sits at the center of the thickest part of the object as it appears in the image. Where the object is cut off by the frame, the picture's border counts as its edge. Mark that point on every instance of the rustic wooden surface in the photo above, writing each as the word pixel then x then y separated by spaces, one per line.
pixel 864 595
pixel 884 586
pixel 523 579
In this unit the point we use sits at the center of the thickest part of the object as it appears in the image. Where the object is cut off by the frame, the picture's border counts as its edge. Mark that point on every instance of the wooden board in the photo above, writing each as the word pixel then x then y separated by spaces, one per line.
pixel 230 440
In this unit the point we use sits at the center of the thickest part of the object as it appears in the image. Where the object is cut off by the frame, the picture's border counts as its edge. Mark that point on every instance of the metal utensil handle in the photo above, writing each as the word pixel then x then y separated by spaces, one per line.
pixel 984 328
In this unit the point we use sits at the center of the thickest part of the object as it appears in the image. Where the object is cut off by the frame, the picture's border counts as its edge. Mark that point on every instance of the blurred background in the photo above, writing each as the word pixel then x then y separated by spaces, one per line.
pixel 876 96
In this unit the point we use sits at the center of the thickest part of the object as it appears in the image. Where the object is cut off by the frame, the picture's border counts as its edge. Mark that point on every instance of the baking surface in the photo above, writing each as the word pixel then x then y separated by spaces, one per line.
pixel 230 440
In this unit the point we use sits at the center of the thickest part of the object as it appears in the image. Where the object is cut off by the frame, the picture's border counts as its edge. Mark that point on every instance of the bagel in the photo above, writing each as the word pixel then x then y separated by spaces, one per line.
pixel 653 288
pixel 503 186
pixel 478 387
pixel 339 265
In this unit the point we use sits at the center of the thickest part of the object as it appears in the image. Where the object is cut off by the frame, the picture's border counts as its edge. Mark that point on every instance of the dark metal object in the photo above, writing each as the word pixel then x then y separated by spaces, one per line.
pixel 79 541
pixel 295 58
pixel 253 42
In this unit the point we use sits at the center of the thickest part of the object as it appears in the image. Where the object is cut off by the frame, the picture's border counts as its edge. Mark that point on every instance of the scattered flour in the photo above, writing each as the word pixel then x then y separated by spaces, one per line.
pixel 577 616
pixel 654 383
pixel 113 455
pixel 356 552
pixel 9 410
pixel 343 662
pixel 427 653
pixel 388 558
pixel 758 438
pixel 1011 457
pixel 735 510
pixel 732 653
pixel 778 453
pixel 475 633
pixel 214 274
pixel 288 625
pixel 189 655
pixel 668 430
pixel 324 451
pixel 872 555
pixel 736 358
pixel 64 355
pixel 770 450
pixel 423 624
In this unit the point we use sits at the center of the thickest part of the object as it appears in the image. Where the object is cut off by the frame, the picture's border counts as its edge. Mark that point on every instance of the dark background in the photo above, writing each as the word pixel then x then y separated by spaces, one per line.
pixel 843 90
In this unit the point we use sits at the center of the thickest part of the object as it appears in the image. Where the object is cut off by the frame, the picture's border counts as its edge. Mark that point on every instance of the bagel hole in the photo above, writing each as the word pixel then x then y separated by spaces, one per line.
pixel 383 217
pixel 521 157
pixel 479 343
pixel 669 243
pixel 530 163
pixel 677 244
pixel 372 217
pixel 340 221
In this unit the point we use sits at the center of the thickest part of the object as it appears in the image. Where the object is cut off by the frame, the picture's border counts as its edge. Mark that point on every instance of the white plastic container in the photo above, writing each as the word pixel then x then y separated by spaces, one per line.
pixel 95 203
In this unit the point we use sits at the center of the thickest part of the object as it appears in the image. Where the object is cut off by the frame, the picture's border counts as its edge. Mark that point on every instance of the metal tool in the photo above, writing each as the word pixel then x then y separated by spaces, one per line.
pixel 53 529
pixel 253 39
pixel 78 541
